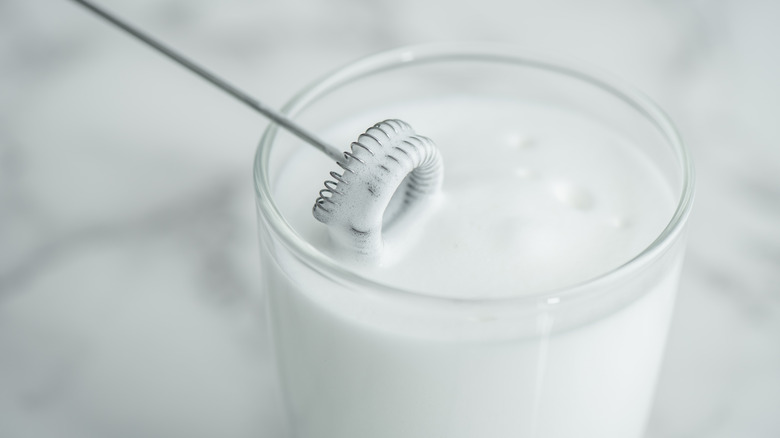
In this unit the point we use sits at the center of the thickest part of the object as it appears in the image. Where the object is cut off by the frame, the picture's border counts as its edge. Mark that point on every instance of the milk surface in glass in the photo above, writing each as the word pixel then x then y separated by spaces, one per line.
pixel 536 198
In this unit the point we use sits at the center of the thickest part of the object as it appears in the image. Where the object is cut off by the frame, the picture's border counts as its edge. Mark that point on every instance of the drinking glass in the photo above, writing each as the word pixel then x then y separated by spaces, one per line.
pixel 361 359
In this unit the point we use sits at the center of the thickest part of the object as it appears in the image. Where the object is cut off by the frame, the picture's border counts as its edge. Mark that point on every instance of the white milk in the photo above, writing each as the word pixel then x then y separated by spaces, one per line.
pixel 534 199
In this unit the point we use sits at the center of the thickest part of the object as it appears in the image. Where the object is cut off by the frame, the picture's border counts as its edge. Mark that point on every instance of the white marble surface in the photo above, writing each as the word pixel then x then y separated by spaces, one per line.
pixel 128 261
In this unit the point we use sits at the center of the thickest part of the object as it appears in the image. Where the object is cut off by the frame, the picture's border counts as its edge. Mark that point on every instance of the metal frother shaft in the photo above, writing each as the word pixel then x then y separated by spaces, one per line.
pixel 250 101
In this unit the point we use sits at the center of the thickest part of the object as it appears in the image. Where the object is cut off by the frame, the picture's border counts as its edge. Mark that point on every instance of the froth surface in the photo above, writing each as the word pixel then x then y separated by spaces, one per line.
pixel 534 198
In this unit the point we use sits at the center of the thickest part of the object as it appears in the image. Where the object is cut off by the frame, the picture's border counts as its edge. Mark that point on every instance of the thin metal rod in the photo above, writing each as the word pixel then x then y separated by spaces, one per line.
pixel 253 103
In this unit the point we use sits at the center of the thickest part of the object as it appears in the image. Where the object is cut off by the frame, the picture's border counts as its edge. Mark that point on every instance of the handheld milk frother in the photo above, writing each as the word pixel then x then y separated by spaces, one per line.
pixel 389 156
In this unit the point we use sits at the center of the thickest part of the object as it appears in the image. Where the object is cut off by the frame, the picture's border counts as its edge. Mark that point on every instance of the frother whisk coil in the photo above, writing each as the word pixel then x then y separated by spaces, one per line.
pixel 387 171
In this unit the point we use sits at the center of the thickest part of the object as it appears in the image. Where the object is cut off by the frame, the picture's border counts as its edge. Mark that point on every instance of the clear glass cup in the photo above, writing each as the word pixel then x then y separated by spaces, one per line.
pixel 359 359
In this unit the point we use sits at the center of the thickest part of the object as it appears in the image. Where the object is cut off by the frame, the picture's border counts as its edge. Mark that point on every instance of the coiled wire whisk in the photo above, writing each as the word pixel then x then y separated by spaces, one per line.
pixel 387 172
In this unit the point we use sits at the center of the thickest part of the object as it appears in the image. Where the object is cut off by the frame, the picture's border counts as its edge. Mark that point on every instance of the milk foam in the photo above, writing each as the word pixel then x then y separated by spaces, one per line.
pixel 534 198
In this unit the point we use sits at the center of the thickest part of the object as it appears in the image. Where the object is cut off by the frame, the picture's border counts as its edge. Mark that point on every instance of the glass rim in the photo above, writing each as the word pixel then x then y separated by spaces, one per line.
pixel 418 54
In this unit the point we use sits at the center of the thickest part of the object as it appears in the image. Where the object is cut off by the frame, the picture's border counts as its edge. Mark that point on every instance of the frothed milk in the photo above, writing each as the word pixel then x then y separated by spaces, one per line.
pixel 535 199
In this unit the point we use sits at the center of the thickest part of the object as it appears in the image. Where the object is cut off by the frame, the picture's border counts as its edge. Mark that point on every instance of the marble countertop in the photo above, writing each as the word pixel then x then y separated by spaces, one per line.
pixel 128 255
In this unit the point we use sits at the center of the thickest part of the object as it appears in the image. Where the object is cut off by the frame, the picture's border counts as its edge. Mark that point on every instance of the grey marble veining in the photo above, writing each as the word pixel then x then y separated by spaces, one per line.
pixel 128 261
